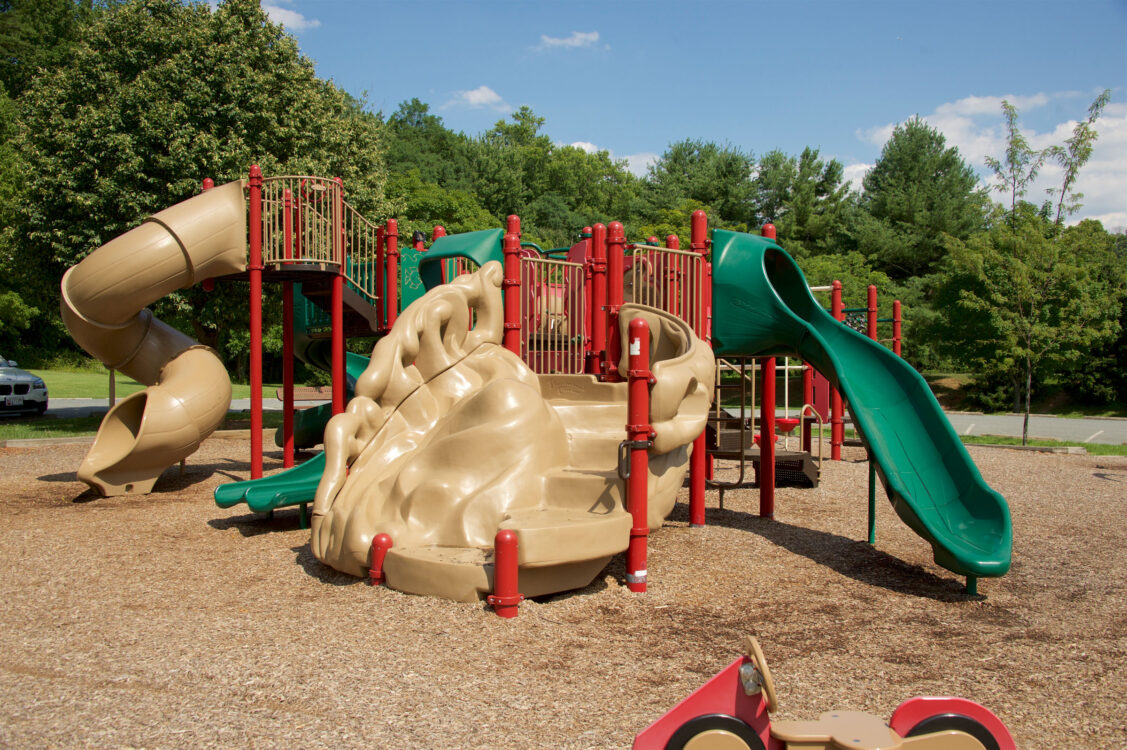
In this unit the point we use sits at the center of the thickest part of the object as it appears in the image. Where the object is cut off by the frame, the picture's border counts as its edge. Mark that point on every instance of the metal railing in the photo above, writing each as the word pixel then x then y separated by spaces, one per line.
pixel 320 229
pixel 668 279
pixel 553 311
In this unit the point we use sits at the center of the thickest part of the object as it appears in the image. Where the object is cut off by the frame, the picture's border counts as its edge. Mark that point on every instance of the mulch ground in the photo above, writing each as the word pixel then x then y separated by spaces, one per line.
pixel 164 621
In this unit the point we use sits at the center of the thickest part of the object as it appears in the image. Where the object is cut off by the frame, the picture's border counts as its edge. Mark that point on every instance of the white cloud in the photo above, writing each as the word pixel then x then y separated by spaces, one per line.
pixel 288 17
pixel 482 97
pixel 575 40
pixel 975 126
pixel 637 164
pixel 855 173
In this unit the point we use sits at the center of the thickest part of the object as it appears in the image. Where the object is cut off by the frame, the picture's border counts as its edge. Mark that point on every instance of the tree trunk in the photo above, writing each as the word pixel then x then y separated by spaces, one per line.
pixel 1028 393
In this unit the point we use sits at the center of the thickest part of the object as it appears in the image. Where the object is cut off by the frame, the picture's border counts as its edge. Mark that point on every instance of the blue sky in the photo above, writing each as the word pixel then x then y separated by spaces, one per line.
pixel 632 76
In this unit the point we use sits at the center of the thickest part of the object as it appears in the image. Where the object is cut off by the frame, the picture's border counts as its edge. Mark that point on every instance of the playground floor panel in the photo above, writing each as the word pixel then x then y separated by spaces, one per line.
pixel 164 621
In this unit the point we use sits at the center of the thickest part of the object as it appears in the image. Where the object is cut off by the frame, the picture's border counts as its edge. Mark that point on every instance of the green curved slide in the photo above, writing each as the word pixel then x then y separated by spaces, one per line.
pixel 762 306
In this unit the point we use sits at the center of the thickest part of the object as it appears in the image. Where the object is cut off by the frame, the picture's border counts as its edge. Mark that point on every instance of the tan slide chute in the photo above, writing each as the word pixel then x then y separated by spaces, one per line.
pixel 104 300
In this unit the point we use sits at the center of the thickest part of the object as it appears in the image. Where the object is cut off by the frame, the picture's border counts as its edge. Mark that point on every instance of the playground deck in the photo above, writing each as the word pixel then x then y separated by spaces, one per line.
pixel 164 621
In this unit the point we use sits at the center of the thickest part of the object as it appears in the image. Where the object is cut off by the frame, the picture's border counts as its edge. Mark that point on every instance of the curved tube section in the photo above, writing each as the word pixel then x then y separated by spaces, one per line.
pixel 103 305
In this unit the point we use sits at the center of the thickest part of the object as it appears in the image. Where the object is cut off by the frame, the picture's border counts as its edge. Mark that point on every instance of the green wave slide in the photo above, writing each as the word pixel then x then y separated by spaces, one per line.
pixel 762 306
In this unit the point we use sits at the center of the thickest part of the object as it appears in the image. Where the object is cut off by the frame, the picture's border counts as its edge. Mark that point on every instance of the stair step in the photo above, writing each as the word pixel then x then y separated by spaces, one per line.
pixel 553 536
pixel 589 490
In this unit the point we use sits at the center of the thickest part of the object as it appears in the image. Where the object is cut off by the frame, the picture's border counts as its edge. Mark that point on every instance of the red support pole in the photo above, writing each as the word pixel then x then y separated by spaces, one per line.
pixel 871 313
pixel 588 276
pixel 896 327
pixel 510 288
pixel 808 420
pixel 616 257
pixel 438 231
pixel 287 336
pixel 391 237
pixel 700 468
pixel 598 299
pixel 208 284
pixel 381 280
pixel 767 441
pixel 512 225
pixel 837 423
pixel 768 231
pixel 506 592
pixel 639 433
pixel 254 266
pixel 338 306
pixel 381 543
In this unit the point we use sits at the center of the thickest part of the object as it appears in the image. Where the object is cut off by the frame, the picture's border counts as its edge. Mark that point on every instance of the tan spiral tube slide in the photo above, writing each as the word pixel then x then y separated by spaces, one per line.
pixel 104 301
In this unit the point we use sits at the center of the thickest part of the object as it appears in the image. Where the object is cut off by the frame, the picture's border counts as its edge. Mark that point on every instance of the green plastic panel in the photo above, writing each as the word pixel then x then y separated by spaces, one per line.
pixel 480 247
pixel 762 306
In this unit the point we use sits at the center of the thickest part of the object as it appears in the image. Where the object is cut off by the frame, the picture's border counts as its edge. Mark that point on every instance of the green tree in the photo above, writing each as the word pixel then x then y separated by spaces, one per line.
pixel 418 140
pixel 919 191
pixel 1022 305
pixel 1073 155
pixel 706 173
pixel 154 96
pixel 805 197
pixel 1021 164
pixel 37 34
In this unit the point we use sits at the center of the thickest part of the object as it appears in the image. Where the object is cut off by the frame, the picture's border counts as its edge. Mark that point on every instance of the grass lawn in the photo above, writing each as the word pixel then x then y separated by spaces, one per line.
pixel 96 384
pixel 55 427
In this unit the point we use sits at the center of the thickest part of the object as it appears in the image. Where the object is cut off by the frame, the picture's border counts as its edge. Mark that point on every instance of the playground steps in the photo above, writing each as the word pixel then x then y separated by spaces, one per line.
pixel 359 315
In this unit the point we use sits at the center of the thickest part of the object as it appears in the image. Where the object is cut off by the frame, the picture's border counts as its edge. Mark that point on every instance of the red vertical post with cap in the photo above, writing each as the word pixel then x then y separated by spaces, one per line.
pixel 506 586
pixel 588 275
pixel 616 258
pixel 896 327
pixel 837 422
pixel 767 441
pixel 510 288
pixel 768 231
pixel 391 239
pixel 871 313
pixel 598 299
pixel 381 543
pixel 209 283
pixel 698 461
pixel 807 398
pixel 287 335
pixel 338 302
pixel 254 267
pixel 639 433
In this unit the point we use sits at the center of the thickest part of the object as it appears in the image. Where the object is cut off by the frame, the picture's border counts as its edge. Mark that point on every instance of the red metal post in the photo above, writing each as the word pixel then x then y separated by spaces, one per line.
pixel 381 543
pixel 616 257
pixel 598 298
pixel 506 592
pixel 287 336
pixel 438 231
pixel 254 266
pixel 837 422
pixel 338 305
pixel 767 441
pixel 391 237
pixel 381 276
pixel 700 468
pixel 512 225
pixel 510 288
pixel 768 231
pixel 808 420
pixel 639 433
pixel 588 276
pixel 871 313
pixel 208 284
pixel 896 327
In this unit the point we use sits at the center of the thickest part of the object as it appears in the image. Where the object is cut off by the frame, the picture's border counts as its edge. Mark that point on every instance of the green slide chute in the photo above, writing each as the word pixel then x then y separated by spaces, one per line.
pixel 762 306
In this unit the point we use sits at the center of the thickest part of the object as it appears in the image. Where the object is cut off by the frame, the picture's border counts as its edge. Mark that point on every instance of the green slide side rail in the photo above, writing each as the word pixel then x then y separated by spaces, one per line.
pixel 762 306
pixel 480 247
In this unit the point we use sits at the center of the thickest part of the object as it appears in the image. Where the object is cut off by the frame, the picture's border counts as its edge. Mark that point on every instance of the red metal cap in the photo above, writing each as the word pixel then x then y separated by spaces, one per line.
pixel 769 231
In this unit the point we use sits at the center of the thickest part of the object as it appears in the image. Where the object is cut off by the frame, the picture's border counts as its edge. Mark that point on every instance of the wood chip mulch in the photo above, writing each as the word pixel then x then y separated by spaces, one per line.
pixel 164 621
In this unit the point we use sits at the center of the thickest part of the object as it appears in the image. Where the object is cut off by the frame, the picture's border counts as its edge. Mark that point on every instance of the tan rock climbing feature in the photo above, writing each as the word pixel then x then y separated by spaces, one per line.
pixel 451 437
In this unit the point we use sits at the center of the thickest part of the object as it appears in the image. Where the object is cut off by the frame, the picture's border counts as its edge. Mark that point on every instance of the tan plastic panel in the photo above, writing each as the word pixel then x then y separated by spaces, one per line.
pixel 103 305
pixel 451 437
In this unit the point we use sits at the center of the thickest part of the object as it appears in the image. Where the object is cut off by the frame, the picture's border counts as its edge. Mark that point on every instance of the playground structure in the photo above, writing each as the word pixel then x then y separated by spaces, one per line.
pixel 564 319
pixel 732 712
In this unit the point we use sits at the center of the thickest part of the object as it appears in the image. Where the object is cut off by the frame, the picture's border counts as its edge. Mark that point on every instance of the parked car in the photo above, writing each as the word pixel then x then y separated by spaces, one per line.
pixel 20 391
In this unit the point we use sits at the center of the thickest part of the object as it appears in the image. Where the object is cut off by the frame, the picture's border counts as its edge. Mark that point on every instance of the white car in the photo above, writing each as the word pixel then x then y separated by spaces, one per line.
pixel 20 391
